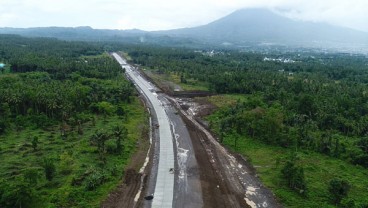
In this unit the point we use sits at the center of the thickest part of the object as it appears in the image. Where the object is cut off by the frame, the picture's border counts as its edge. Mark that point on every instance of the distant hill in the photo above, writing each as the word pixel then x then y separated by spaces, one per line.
pixel 89 34
pixel 265 26
pixel 242 28
pixel 72 33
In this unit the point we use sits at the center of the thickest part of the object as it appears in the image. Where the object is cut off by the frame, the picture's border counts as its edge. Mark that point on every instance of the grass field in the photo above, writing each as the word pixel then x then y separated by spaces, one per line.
pixel 174 79
pixel 319 169
pixel 76 160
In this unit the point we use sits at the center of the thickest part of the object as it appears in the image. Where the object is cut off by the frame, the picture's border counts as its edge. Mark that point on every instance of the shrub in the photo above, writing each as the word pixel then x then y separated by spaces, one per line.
pixel 18 193
pixel 95 179
pixel 31 176
pixel 49 168
pixel 338 189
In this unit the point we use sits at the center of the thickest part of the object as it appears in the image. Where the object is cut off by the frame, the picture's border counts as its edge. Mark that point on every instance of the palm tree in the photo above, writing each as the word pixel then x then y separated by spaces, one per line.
pixel 120 133
pixel 99 138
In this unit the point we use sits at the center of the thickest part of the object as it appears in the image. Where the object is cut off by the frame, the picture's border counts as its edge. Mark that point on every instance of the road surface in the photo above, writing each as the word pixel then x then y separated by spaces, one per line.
pixel 163 195
pixel 176 183
pixel 189 167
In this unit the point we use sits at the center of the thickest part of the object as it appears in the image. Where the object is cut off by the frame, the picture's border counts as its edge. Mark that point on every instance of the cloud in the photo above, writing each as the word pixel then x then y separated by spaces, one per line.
pixel 7 18
pixel 351 14
pixel 169 14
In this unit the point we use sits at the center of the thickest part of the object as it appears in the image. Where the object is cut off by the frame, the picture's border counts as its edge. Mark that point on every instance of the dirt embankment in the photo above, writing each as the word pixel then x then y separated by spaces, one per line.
pixel 123 196
pixel 227 179
pixel 217 190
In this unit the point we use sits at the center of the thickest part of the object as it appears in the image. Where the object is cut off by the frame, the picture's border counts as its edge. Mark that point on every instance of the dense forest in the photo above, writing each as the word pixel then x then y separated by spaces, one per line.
pixel 318 103
pixel 300 101
pixel 69 121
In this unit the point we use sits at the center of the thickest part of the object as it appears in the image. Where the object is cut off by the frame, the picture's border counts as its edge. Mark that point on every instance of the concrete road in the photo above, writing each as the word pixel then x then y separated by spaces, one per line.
pixel 187 188
pixel 174 175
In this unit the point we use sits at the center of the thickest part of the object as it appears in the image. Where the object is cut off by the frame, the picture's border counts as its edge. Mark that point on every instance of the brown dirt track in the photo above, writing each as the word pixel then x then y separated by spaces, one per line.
pixel 216 190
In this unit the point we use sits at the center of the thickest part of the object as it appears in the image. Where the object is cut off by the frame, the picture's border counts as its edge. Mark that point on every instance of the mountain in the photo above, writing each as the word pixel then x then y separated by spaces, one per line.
pixel 72 33
pixel 265 26
pixel 86 33
pixel 242 28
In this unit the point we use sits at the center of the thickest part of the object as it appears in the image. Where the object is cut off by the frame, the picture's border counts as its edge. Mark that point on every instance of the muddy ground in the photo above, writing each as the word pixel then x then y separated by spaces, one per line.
pixel 216 189
pixel 237 182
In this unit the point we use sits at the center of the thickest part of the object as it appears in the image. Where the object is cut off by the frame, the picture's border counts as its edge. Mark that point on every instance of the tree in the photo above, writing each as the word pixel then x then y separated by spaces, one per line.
pixel 35 143
pixel 99 138
pixel 182 79
pixel 120 133
pixel 294 175
pixel 105 108
pixel 120 111
pixel 363 144
pixel 80 128
pixel 5 114
pixel 307 105
pixel 49 168
pixel 338 189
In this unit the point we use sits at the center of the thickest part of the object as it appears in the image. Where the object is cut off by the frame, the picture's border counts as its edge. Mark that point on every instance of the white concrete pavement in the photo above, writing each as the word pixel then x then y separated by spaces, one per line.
pixel 164 190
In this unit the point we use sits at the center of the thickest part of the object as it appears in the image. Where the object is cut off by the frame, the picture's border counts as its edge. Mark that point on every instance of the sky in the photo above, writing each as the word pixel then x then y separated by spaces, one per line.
pixel 170 14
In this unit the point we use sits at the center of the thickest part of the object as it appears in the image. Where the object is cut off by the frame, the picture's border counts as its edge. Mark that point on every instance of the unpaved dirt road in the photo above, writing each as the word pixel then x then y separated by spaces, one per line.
pixel 202 173
pixel 235 177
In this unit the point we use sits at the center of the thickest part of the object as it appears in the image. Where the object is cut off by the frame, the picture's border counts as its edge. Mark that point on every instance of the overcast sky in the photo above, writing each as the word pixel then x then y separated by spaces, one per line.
pixel 169 14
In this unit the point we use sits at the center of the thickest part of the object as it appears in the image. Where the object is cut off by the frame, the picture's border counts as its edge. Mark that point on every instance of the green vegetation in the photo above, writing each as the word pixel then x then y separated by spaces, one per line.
pixel 339 189
pixel 166 65
pixel 301 118
pixel 69 123
pixel 294 175
pixel 299 177
pixel 173 80
pixel 314 101
pixel 319 170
